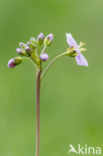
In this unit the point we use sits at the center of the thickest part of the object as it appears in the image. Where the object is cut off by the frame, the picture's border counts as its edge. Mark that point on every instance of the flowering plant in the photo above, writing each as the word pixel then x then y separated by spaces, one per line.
pixel 32 51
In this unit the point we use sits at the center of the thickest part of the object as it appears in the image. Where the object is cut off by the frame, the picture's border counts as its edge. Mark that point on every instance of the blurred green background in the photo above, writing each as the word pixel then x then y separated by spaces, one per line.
pixel 71 96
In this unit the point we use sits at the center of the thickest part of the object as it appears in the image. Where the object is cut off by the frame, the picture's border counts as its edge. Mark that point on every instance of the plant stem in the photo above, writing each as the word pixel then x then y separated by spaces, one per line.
pixel 38 112
pixel 39 49
pixel 57 57
pixel 43 50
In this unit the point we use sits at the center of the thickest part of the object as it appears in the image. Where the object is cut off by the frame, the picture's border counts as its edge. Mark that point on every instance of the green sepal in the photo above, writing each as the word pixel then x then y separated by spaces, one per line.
pixel 71 52
pixel 17 60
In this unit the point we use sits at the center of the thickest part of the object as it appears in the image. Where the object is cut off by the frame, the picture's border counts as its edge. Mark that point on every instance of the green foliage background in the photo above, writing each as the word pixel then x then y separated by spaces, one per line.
pixel 71 96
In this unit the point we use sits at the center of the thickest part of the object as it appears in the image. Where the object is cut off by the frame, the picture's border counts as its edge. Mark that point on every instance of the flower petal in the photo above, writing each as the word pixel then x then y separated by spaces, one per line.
pixel 71 41
pixel 81 60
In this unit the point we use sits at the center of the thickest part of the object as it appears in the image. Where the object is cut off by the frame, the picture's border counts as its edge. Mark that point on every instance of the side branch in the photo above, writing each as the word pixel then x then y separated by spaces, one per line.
pixel 47 68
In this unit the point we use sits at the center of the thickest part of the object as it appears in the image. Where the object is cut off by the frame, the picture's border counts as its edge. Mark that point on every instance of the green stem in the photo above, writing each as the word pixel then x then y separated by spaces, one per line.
pixel 39 49
pixel 43 50
pixel 47 68
pixel 26 58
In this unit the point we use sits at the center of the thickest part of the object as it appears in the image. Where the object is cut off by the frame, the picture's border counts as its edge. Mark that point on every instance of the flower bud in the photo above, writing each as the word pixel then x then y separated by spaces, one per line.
pixel 40 38
pixel 33 40
pixel 28 49
pixel 14 61
pixel 20 51
pixel 31 45
pixel 44 57
pixel 21 44
pixel 48 40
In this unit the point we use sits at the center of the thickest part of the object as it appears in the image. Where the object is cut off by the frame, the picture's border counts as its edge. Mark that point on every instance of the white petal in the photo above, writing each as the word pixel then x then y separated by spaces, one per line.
pixel 81 60
pixel 71 41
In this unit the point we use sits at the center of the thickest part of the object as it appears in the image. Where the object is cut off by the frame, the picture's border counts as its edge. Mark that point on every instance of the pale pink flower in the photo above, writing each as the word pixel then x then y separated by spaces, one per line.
pixel 80 59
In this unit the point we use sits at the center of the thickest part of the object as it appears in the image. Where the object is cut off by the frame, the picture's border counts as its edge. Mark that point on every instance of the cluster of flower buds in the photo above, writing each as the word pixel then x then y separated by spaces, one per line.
pixel 32 50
